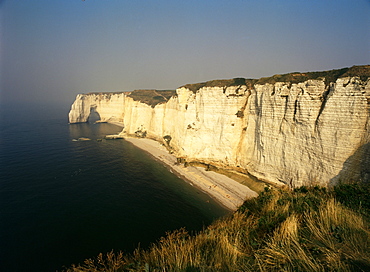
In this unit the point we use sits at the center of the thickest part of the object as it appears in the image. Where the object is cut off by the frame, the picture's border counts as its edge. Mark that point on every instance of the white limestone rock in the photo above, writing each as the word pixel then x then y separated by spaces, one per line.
pixel 298 134
pixel 109 106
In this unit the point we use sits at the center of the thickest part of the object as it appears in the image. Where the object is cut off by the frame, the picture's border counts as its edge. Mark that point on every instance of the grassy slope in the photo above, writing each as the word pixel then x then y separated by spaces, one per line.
pixel 308 229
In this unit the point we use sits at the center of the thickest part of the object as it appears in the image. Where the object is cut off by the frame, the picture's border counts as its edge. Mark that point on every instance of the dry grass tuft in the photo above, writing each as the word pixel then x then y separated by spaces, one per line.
pixel 111 262
pixel 340 236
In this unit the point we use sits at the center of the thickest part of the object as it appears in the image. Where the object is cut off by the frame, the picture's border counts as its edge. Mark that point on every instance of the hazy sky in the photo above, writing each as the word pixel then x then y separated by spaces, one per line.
pixel 51 50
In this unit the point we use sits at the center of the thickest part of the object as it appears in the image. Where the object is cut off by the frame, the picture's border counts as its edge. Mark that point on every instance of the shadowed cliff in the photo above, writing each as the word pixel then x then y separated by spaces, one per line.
pixel 356 167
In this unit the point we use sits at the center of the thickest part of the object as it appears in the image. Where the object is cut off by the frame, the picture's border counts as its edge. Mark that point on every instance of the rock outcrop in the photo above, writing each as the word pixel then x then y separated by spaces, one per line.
pixel 297 129
pixel 107 106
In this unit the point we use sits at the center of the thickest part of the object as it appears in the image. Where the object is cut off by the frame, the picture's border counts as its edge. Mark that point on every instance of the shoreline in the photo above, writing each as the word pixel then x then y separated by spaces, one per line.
pixel 226 191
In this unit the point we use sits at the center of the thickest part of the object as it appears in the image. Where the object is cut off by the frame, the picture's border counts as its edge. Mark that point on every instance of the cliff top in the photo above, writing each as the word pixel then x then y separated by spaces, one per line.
pixel 105 93
pixel 155 97
pixel 330 76
pixel 221 83
pixel 295 77
pixel 152 97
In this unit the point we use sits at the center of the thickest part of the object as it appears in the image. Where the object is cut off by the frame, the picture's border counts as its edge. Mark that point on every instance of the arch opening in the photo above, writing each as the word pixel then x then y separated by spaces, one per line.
pixel 94 115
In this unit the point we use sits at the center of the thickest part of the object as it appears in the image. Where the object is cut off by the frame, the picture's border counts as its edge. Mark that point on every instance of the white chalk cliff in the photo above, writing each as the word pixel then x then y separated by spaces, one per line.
pixel 307 129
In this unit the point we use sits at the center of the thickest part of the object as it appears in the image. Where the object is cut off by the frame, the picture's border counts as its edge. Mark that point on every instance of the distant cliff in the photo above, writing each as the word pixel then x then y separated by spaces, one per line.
pixel 297 128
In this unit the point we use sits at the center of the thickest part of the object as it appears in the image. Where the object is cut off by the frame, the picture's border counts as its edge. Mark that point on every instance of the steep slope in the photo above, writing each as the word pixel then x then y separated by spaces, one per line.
pixel 297 129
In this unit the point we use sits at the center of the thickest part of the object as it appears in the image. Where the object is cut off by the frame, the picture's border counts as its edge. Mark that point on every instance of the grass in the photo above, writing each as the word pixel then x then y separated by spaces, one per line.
pixel 155 97
pixel 221 83
pixel 152 97
pixel 355 196
pixel 306 229
pixel 330 76
pixel 296 77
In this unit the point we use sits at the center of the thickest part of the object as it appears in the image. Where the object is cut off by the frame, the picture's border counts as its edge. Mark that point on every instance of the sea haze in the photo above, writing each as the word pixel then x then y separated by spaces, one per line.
pixel 62 201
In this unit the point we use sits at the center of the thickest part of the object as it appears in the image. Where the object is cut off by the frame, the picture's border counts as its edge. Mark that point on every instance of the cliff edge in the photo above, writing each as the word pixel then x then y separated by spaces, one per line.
pixel 296 129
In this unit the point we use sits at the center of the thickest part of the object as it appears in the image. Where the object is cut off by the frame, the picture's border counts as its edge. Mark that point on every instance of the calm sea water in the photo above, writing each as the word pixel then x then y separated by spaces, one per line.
pixel 63 201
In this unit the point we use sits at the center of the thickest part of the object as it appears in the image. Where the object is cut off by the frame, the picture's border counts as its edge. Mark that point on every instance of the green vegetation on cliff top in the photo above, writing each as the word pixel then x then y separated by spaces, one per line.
pixel 296 77
pixel 152 97
pixel 330 76
pixel 306 229
pixel 221 83
pixel 155 97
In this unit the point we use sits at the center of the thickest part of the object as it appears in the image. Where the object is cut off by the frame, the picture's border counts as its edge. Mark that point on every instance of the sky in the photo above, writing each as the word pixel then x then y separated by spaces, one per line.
pixel 52 50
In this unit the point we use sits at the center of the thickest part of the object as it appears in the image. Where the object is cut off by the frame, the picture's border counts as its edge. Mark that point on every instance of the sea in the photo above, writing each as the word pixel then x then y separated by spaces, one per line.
pixel 62 201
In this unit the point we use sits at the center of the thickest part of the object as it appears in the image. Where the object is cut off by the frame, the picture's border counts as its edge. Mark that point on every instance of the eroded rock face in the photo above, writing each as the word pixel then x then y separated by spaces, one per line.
pixel 109 107
pixel 304 133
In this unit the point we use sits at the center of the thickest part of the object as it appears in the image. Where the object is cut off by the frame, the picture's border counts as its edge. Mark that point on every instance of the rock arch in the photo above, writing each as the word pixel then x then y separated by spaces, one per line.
pixel 94 115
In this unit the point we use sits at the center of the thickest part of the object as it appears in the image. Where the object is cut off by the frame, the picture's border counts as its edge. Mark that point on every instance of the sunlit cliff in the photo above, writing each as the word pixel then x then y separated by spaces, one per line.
pixel 297 129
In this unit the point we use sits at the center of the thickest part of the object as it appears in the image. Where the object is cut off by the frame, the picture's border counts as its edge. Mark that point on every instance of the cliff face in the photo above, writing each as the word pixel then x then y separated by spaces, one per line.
pixel 299 133
pixel 107 106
